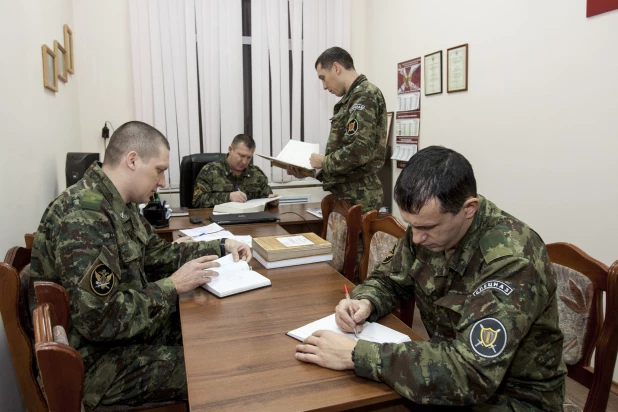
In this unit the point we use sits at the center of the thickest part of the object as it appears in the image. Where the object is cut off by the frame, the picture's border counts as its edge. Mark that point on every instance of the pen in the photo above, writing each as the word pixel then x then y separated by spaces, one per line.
pixel 347 298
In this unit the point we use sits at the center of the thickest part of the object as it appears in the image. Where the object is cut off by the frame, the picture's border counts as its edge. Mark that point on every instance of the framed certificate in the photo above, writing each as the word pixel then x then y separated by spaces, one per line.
pixel 457 69
pixel 433 73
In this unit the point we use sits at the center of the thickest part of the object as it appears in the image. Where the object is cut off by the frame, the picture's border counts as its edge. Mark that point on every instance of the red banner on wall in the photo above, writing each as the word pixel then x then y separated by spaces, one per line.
pixel 595 7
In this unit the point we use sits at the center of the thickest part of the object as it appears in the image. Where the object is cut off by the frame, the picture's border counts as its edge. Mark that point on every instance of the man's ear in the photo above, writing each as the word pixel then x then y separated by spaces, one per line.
pixel 337 68
pixel 130 159
pixel 229 149
pixel 470 207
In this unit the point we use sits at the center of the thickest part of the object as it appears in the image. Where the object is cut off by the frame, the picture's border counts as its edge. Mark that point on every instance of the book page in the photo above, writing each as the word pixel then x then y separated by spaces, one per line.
pixel 202 230
pixel 298 153
pixel 234 277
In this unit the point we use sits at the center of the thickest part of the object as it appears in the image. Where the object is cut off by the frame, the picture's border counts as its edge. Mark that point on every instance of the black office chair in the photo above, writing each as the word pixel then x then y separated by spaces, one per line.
pixel 189 169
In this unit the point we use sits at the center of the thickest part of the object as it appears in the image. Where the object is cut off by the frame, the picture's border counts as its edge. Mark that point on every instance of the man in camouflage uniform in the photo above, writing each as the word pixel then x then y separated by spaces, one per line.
pixel 484 286
pixel 356 144
pixel 232 179
pixel 124 314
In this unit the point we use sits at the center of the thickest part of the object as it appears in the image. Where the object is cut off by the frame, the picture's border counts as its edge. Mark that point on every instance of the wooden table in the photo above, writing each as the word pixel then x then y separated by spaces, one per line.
pixel 294 219
pixel 238 356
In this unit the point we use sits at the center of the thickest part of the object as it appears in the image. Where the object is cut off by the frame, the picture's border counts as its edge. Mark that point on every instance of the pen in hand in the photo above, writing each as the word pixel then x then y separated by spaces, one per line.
pixel 347 298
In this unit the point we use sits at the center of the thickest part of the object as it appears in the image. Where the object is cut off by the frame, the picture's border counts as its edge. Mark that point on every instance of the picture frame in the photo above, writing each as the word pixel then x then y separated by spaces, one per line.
pixel 68 46
pixel 389 125
pixel 433 73
pixel 50 74
pixel 457 68
pixel 61 61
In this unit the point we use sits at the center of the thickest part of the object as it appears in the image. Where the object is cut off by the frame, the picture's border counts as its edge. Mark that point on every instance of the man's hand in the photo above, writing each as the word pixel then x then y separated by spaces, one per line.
pixel 238 196
pixel 316 160
pixel 294 171
pixel 361 309
pixel 240 251
pixel 193 274
pixel 184 239
pixel 274 203
pixel 327 349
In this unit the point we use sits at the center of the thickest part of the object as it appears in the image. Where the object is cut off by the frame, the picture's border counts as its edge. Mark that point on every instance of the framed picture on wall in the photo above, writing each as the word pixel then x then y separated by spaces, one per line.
pixel 50 75
pixel 457 69
pixel 61 61
pixel 433 73
pixel 68 46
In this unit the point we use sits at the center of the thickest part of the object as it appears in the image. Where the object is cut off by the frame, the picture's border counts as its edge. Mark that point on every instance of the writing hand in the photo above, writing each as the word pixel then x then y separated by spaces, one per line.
pixel 361 309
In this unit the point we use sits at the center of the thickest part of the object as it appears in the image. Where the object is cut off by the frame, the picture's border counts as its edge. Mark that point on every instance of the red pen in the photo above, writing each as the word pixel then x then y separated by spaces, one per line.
pixel 347 297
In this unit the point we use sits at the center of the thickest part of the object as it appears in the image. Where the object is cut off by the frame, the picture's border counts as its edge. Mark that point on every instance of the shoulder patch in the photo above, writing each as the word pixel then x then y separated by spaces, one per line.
pixel 494 245
pixel 351 128
pixel 494 284
pixel 488 337
pixel 357 106
pixel 91 200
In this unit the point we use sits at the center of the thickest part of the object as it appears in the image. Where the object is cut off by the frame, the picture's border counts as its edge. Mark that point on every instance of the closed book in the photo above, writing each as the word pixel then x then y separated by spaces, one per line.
pixel 250 206
pixel 292 262
pixel 234 277
pixel 273 248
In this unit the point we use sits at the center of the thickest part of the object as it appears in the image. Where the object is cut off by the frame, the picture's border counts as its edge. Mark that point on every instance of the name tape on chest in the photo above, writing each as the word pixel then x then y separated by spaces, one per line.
pixel 494 284
pixel 488 337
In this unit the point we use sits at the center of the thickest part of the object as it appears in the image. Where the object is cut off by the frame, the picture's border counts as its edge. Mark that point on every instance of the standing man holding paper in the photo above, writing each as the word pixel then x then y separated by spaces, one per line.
pixel 232 179
pixel 356 146
pixel 486 292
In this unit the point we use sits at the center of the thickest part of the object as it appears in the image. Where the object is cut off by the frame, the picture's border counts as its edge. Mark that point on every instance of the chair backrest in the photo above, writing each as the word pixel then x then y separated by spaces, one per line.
pixel 341 227
pixel 190 167
pixel 380 235
pixel 582 281
pixel 61 367
pixel 14 284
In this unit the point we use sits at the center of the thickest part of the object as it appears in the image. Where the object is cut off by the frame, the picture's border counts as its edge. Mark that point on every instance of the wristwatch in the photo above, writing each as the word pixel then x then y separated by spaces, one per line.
pixel 222 246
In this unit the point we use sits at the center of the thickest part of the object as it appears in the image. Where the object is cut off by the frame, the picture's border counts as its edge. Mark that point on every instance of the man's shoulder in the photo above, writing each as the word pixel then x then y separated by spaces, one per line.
pixel 256 171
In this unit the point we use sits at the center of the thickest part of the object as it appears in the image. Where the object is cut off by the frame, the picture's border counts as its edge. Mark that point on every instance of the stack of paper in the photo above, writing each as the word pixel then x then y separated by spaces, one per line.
pixel 373 332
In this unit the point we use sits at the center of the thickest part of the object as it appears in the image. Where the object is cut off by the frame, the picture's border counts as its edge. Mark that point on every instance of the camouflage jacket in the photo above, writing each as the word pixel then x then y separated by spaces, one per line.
pixel 491 313
pixel 216 180
pixel 356 145
pixel 112 264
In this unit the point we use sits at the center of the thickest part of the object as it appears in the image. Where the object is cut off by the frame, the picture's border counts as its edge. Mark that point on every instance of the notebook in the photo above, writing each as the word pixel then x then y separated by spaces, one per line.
pixel 238 218
pixel 372 331
pixel 234 277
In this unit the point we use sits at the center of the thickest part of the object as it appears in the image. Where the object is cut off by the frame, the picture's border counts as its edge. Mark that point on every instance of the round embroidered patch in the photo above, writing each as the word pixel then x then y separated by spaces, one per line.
pixel 351 128
pixel 102 280
pixel 488 337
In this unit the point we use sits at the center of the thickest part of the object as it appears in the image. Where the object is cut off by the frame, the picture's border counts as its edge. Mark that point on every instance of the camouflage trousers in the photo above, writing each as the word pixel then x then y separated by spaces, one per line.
pixel 357 193
pixel 142 373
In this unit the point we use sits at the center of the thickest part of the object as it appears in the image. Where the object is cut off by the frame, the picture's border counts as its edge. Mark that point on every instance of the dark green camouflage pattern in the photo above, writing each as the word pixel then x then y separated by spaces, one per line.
pixel 123 308
pixel 216 180
pixel 356 146
pixel 499 271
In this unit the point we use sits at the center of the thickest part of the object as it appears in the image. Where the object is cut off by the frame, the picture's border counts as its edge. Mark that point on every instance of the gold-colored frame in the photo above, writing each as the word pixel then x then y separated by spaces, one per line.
pixel 50 75
pixel 68 45
pixel 61 61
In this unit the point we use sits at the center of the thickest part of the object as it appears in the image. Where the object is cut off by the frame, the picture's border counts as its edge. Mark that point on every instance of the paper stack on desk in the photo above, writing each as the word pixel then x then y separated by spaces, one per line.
pixel 373 332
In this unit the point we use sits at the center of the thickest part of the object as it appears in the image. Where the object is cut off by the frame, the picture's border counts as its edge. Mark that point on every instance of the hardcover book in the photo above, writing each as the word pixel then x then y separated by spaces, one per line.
pixel 274 248
pixel 234 277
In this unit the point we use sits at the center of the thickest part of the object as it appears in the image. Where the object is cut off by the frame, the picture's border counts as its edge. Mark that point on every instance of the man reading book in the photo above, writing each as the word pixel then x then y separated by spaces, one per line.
pixel 486 292
pixel 123 280
pixel 232 179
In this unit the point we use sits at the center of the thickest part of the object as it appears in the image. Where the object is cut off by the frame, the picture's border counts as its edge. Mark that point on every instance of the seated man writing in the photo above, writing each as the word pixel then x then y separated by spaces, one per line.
pixel 232 179
pixel 486 292
pixel 123 280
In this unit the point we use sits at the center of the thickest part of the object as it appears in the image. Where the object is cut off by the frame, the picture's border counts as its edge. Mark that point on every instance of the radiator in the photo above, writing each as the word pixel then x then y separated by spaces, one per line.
pixel 291 199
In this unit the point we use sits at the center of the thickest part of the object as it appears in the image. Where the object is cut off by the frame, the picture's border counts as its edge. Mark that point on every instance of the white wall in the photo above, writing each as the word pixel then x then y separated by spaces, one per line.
pixel 538 123
pixel 38 127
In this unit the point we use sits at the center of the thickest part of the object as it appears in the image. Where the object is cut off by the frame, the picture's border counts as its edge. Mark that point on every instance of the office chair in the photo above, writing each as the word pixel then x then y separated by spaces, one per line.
pixel 190 167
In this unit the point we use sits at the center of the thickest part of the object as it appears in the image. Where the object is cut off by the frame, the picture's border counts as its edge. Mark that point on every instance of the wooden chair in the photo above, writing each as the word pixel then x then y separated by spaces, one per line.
pixel 380 235
pixel 341 227
pixel 582 281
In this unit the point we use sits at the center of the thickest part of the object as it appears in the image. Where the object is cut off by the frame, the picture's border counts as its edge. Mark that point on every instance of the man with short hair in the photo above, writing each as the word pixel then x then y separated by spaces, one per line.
pixel 123 280
pixel 232 179
pixel 486 292
pixel 356 145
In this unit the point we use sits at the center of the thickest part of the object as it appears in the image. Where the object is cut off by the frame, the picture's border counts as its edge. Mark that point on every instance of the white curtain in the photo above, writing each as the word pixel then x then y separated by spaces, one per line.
pixel 164 74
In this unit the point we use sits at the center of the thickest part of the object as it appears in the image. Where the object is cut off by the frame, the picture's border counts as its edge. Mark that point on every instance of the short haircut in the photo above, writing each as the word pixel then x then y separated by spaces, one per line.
pixel 332 55
pixel 435 172
pixel 136 136
pixel 244 139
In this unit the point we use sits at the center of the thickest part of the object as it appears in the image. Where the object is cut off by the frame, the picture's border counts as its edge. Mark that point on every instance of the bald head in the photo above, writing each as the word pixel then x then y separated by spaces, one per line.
pixel 135 136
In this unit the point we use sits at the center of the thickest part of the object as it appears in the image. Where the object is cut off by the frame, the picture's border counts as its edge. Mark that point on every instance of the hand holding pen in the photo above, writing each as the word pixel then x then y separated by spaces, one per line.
pixel 237 195
pixel 347 298
pixel 350 314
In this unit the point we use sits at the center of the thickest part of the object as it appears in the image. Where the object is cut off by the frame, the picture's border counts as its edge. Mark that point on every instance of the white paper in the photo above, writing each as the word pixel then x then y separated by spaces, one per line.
pixel 373 332
pixel 315 212
pixel 234 277
pixel 298 153
pixel 202 230
pixel 408 101
pixel 244 239
pixel 214 236
pixel 291 241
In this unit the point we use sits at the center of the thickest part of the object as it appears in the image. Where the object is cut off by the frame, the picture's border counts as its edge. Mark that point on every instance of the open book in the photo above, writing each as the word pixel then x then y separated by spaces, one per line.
pixel 253 205
pixel 234 277
pixel 372 331
pixel 296 154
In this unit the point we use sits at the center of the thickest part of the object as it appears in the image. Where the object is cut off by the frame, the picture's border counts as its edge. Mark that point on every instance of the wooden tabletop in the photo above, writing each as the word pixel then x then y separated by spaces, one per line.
pixel 238 356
